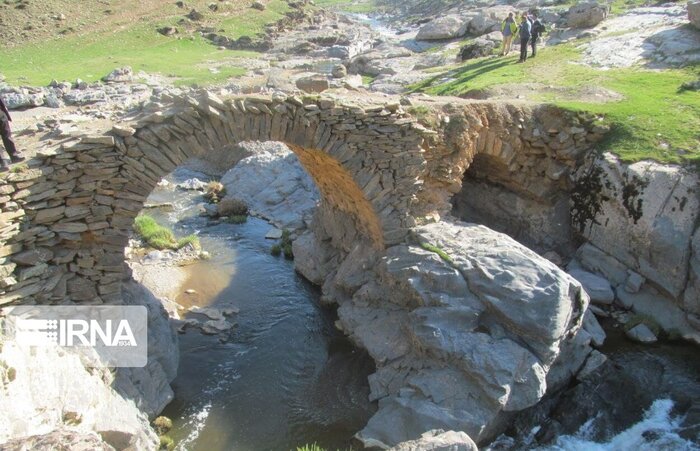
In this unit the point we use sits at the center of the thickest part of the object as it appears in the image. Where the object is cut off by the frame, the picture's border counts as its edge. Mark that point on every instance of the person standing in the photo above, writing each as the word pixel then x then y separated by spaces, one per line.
pixel 525 35
pixel 537 30
pixel 508 29
pixel 7 141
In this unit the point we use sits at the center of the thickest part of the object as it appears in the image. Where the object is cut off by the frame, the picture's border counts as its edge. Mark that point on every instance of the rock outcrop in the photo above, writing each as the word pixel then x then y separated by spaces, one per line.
pixel 461 335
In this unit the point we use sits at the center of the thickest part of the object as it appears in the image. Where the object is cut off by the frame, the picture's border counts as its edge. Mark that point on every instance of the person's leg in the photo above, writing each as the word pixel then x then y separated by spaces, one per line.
pixel 523 50
pixel 507 44
pixel 7 140
pixel 533 43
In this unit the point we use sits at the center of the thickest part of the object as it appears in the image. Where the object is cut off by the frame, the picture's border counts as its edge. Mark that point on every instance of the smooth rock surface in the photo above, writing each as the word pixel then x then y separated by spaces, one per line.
pixel 442 28
pixel 274 185
pixel 597 287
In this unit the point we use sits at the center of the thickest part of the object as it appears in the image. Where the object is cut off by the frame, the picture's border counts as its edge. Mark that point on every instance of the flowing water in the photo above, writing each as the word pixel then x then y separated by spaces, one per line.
pixel 284 376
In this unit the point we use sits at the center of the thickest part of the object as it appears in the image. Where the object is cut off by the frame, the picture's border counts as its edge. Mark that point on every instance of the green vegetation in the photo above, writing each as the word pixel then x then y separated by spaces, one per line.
pixel 159 237
pixel 656 119
pixel 162 424
pixel 441 253
pixel 16 169
pixel 351 6
pixel 166 443
pixel 284 246
pixel 311 447
pixel 139 45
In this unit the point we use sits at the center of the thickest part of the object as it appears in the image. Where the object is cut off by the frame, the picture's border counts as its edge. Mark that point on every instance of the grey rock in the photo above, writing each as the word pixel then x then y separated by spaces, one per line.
pixel 595 360
pixel 312 84
pixel 439 440
pixel 597 287
pixel 634 282
pixel 641 333
pixel 586 14
pixel 591 325
pixel 447 27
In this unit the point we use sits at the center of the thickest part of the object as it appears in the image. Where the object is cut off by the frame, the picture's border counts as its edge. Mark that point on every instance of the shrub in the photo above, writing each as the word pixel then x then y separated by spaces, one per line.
pixel 276 250
pixel 288 253
pixel 232 206
pixel 214 192
pixel 162 424
pixel 166 443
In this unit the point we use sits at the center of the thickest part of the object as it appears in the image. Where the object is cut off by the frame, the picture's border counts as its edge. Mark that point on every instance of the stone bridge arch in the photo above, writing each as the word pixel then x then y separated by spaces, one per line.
pixel 66 220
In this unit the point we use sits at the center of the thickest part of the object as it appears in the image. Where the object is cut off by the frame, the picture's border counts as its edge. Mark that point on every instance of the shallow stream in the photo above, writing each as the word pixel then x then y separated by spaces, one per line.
pixel 284 376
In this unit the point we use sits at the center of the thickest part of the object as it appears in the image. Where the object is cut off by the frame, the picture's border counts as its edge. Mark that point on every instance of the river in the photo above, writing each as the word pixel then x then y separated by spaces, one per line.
pixel 284 376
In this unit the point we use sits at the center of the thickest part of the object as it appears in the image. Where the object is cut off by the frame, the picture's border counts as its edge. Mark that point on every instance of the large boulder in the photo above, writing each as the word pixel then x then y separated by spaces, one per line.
pixel 439 440
pixel 313 83
pixel 586 14
pixel 694 13
pixel 642 214
pixel 476 49
pixel 462 332
pixel 274 185
pixel 447 27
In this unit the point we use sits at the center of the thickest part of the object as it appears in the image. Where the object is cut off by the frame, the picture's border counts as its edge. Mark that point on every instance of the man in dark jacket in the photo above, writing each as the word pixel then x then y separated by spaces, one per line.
pixel 537 30
pixel 7 141
pixel 525 35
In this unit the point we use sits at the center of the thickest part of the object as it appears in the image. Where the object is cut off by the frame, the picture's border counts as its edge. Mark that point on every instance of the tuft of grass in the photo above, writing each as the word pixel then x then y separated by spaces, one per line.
pixel 16 169
pixel 159 237
pixel 441 253
pixel 310 447
pixel 284 246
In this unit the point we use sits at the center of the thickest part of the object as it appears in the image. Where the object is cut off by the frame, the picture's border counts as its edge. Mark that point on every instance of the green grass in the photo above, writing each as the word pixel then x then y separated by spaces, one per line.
pixel 140 46
pixel 254 21
pixel 159 237
pixel 284 246
pixel 655 120
pixel 441 253
pixel 350 6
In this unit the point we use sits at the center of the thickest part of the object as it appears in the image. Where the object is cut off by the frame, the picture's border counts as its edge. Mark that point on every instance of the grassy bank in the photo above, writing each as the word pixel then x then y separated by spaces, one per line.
pixel 655 119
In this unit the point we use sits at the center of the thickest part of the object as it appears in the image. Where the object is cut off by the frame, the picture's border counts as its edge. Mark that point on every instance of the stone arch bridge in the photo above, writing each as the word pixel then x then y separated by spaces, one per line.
pixel 64 222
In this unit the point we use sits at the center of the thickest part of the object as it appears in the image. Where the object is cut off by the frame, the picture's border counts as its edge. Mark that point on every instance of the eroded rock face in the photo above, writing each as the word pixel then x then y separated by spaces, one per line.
pixel 456 343
pixel 644 215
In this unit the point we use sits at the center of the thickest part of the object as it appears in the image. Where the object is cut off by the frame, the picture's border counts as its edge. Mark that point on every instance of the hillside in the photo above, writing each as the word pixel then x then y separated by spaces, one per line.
pixel 69 39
